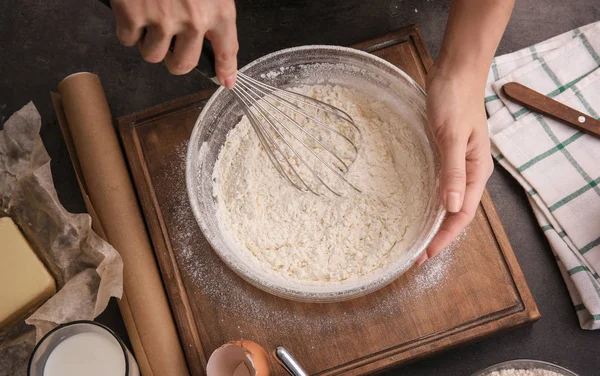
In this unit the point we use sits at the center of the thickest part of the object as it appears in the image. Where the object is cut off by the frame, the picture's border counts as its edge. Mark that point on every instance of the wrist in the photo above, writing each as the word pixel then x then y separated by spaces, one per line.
pixel 465 69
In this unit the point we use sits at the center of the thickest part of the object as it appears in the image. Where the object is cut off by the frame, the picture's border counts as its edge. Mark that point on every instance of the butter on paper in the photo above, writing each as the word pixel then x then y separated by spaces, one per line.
pixel 88 270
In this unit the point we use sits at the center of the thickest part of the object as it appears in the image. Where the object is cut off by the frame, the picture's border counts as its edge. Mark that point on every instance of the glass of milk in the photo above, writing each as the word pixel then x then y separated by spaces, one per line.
pixel 82 348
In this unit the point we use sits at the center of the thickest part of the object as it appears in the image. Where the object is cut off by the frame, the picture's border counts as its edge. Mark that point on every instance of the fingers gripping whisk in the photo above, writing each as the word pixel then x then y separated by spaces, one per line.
pixel 311 143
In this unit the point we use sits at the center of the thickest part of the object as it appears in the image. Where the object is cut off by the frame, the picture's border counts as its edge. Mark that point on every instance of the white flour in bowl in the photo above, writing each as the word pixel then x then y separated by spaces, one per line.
pixel 523 372
pixel 327 238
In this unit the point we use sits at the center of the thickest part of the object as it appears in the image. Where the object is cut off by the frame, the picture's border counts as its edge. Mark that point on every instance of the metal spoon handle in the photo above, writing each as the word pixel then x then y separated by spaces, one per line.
pixel 288 362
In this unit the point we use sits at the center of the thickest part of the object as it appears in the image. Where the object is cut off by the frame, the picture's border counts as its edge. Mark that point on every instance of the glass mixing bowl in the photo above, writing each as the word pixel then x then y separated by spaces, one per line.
pixel 525 364
pixel 347 67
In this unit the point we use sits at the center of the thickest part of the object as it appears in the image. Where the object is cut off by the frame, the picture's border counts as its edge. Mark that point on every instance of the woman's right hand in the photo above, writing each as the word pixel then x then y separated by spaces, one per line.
pixel 152 24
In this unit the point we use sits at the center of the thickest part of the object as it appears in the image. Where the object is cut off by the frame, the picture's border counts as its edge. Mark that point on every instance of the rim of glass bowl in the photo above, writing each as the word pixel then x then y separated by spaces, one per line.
pixel 525 364
pixel 308 293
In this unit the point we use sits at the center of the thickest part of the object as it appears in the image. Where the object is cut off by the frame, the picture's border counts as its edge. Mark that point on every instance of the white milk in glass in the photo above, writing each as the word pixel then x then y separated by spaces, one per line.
pixel 89 354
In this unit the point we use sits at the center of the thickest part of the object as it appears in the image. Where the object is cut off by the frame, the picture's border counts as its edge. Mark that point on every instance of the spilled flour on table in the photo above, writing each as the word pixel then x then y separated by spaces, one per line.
pixel 432 272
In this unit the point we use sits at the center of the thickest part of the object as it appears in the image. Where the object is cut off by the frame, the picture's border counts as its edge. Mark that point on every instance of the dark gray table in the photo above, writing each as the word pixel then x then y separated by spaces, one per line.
pixel 41 42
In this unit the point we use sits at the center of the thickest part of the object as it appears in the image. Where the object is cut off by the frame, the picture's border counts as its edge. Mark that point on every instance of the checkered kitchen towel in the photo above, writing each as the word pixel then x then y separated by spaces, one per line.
pixel 558 166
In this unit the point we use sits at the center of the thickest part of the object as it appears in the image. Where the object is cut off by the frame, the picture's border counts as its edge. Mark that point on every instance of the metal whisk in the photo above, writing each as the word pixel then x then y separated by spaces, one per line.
pixel 265 106
pixel 294 138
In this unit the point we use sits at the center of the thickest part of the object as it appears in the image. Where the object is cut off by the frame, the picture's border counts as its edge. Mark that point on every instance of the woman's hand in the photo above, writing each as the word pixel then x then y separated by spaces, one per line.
pixel 456 113
pixel 152 24
pixel 457 118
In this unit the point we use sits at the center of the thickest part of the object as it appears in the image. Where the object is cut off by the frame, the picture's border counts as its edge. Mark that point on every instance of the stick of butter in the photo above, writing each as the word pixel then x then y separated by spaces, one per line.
pixel 25 282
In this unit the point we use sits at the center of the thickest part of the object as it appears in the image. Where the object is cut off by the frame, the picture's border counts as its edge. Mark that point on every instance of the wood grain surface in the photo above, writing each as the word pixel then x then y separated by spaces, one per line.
pixel 480 289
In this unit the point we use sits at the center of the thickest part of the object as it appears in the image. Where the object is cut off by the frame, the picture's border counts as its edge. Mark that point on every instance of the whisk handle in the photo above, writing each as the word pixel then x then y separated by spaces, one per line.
pixel 206 64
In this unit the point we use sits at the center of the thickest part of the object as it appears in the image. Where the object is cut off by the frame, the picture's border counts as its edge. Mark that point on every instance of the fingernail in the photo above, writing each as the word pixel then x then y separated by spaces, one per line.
pixel 229 82
pixel 421 261
pixel 453 202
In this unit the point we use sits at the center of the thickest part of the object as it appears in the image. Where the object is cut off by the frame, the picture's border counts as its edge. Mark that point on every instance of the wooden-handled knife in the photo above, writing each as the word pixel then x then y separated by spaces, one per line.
pixel 535 101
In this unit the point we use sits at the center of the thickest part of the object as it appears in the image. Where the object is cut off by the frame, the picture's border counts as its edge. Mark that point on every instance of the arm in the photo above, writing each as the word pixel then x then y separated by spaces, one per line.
pixel 456 112
pixel 473 32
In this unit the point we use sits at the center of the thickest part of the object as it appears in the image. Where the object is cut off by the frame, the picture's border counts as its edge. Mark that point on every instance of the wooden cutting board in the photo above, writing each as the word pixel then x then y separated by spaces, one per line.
pixel 471 291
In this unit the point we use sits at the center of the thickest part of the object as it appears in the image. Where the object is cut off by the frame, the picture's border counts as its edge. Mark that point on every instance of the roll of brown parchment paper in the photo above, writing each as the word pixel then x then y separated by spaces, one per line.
pixel 110 197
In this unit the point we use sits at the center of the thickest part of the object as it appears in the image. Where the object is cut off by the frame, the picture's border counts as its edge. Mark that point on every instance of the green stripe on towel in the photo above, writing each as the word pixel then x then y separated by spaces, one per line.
pixel 495 70
pixel 490 98
pixel 549 72
pixel 574 195
pixel 589 246
pixel 584 102
pixel 549 152
pixel 534 54
pixel 521 112
pixel 581 307
pixel 578 269
pixel 590 183
pixel 566 86
pixel 589 48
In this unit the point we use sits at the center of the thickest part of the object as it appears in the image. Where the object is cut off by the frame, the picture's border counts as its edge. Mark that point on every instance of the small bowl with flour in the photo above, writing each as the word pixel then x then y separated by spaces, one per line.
pixel 525 367
pixel 324 248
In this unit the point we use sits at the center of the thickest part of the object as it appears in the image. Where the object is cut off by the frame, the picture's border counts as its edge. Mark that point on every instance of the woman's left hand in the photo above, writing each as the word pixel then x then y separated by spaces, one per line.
pixel 457 118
